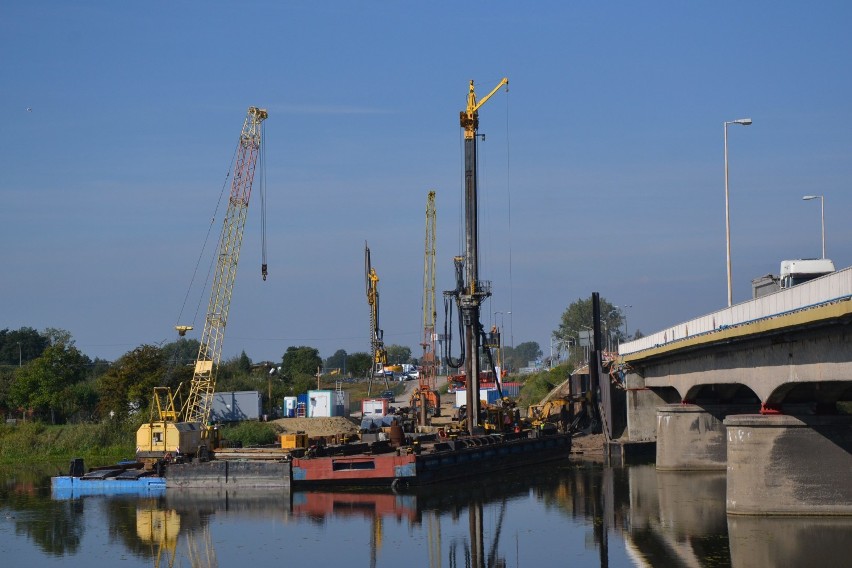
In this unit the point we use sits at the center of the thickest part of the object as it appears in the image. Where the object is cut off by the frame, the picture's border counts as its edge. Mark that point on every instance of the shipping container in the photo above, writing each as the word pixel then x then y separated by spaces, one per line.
pixel 489 395
pixel 374 407
pixel 326 403
pixel 236 406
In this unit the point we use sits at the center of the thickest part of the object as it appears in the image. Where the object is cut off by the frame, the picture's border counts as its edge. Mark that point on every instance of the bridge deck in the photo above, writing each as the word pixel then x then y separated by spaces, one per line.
pixel 820 300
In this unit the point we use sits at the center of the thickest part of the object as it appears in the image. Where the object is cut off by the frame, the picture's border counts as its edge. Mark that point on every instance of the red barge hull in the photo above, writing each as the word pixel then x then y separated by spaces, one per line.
pixel 438 462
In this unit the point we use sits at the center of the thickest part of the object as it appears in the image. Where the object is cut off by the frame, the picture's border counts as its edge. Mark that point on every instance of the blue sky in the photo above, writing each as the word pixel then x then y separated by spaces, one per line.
pixel 602 168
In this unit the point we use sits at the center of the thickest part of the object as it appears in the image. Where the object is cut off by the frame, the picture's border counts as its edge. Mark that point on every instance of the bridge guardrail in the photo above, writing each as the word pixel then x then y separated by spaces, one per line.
pixel 826 289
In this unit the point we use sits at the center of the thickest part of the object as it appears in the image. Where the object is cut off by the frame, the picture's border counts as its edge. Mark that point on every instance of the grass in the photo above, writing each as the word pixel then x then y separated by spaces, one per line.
pixel 32 442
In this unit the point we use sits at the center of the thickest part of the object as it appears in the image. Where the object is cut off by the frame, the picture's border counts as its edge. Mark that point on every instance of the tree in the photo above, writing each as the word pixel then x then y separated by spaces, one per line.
pixel 18 347
pixel 181 352
pixel 398 354
pixel 45 385
pixel 359 364
pixel 300 361
pixel 337 361
pixel 129 383
pixel 577 320
pixel 521 355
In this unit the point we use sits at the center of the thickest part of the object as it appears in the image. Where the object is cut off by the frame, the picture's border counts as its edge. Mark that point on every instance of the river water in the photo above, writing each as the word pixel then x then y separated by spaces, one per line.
pixel 573 514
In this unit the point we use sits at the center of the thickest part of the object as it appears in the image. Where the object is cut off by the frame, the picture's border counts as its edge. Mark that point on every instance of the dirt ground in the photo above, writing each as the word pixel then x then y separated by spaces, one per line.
pixel 315 427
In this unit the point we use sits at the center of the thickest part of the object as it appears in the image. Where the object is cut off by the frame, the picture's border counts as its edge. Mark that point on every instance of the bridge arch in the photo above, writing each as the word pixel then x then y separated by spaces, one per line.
pixel 721 393
pixel 823 394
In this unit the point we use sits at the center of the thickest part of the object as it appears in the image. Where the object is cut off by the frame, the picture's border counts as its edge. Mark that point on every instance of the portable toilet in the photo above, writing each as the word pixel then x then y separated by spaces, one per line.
pixel 290 406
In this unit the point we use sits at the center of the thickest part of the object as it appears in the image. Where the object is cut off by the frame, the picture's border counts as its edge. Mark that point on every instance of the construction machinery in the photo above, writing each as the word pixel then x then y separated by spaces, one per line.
pixel 425 401
pixel 183 435
pixel 470 292
pixel 377 345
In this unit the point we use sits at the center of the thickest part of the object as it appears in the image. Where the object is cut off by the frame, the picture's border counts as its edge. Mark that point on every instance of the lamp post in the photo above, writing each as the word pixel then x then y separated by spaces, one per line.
pixel 822 207
pixel 744 122
pixel 625 308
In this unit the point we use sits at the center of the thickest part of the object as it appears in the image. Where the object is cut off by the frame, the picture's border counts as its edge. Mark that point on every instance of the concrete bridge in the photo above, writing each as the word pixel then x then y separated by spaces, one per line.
pixel 754 390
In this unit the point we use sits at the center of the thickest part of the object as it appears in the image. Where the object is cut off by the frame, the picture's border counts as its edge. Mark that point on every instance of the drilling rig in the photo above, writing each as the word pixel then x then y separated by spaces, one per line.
pixel 377 345
pixel 470 292
pixel 425 400
pixel 186 434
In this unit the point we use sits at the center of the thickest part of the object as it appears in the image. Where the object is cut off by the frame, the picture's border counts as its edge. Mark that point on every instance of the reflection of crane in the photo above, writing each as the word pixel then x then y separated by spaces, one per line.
pixel 426 399
pixel 160 527
pixel 471 292
pixel 378 353
pixel 190 437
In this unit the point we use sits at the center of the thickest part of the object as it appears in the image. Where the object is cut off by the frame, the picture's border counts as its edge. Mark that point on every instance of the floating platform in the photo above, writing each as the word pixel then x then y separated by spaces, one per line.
pixel 224 474
pixel 433 462
pixel 69 487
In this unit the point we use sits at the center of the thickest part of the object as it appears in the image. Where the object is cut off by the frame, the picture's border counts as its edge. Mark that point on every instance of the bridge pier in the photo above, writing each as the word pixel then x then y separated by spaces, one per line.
pixel 789 465
pixel 692 437
pixel 689 437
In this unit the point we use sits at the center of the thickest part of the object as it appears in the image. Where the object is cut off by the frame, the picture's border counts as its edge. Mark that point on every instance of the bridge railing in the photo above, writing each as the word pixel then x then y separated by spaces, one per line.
pixel 826 289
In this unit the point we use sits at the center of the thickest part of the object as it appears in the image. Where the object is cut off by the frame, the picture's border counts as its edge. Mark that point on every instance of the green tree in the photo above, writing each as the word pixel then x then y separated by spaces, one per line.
pixel 300 361
pixel 577 320
pixel 359 364
pixel 521 355
pixel 398 354
pixel 181 352
pixel 244 363
pixel 129 383
pixel 337 361
pixel 44 385
pixel 18 347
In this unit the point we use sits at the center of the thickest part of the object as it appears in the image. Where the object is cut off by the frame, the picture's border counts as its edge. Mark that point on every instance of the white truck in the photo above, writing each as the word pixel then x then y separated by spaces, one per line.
pixel 798 271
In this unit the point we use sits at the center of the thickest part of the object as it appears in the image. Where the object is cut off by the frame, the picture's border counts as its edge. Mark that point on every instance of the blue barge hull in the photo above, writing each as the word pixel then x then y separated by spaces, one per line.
pixel 66 487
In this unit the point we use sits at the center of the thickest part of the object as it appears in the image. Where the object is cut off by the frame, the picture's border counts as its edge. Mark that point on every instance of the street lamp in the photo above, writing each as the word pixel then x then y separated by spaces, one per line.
pixel 822 207
pixel 625 308
pixel 744 122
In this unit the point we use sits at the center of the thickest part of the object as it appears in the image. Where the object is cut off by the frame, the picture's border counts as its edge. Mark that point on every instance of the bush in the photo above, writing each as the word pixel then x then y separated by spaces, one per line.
pixel 251 433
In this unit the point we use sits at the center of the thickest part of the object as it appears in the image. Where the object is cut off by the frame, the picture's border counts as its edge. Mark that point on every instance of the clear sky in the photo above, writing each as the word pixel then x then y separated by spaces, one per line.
pixel 602 168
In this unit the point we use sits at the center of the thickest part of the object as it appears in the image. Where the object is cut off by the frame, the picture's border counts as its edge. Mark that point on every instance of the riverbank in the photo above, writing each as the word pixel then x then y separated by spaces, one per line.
pixel 31 442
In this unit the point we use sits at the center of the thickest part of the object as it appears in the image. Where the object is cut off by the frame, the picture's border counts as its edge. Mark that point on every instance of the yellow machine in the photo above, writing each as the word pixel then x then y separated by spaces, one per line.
pixel 547 413
pixel 377 344
pixel 186 434
pixel 296 441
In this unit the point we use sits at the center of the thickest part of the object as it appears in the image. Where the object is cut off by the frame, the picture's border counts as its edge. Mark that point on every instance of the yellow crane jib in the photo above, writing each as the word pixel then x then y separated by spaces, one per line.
pixel 469 118
pixel 188 437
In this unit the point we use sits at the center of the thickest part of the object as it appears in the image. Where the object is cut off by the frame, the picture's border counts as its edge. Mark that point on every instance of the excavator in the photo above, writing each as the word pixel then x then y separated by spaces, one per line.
pixel 173 435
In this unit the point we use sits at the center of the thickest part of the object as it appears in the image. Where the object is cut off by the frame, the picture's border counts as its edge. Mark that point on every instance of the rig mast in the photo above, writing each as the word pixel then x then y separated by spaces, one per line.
pixel 471 292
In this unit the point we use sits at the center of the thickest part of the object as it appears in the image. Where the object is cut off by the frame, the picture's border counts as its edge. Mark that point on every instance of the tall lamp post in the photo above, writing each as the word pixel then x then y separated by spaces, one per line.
pixel 822 207
pixel 744 122
pixel 624 311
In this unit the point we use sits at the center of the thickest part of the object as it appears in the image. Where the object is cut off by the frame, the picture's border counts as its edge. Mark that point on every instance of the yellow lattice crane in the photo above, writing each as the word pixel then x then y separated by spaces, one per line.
pixel 425 400
pixel 186 434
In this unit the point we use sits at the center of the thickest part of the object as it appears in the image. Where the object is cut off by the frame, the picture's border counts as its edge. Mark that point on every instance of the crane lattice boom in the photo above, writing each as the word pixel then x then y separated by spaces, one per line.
pixel 198 405
pixel 429 371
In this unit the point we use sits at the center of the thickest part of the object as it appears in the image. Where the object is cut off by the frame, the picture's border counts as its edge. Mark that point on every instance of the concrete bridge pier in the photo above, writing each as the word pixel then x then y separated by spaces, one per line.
pixel 692 437
pixel 789 465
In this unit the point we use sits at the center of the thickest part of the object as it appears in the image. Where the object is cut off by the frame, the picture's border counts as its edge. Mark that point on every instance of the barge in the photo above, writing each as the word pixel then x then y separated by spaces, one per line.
pixel 432 461
pixel 124 478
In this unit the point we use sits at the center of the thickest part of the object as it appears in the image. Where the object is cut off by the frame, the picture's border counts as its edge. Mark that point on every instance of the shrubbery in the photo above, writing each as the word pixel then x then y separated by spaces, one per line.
pixel 251 433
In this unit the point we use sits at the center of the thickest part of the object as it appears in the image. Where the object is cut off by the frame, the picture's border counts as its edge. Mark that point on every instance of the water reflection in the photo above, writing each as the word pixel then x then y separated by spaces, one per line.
pixel 580 514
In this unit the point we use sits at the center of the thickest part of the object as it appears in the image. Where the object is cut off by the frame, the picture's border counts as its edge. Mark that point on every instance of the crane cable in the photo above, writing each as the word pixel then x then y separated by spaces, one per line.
pixel 263 271
pixel 204 246
pixel 509 214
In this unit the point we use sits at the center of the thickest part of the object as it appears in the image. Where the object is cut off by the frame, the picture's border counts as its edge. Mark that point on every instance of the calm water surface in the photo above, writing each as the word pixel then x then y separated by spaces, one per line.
pixel 575 514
